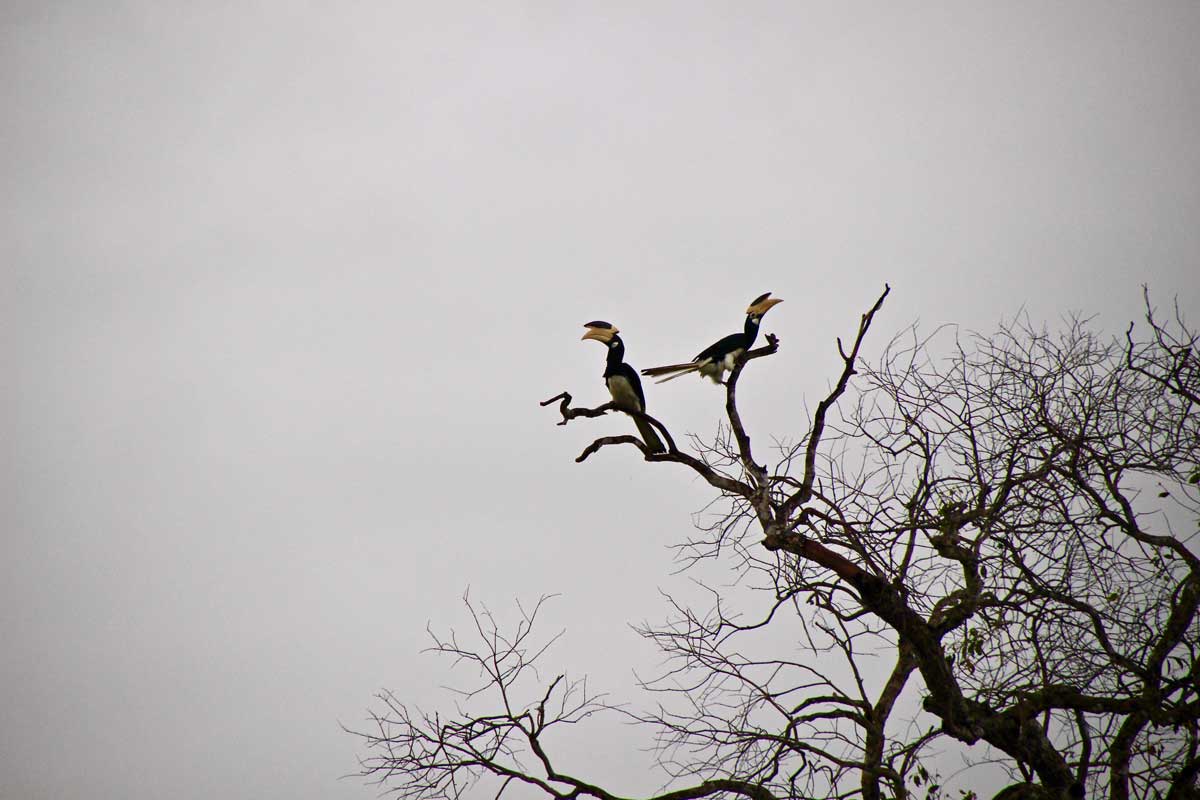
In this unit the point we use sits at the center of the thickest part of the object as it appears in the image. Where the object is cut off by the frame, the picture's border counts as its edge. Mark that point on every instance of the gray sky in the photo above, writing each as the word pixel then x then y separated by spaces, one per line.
pixel 283 286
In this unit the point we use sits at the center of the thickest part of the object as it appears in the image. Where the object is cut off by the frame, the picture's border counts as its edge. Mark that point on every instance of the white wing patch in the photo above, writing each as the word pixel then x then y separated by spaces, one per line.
pixel 717 369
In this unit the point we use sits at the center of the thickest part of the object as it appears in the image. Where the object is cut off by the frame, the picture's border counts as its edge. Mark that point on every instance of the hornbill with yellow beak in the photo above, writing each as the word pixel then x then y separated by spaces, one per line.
pixel 622 380
pixel 720 357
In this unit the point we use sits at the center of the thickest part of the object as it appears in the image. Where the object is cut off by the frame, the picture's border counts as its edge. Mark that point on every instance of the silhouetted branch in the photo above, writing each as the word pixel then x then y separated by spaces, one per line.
pixel 604 441
pixel 804 493
pixel 569 413
pixel 756 472
pixel 673 454
pixel 1171 361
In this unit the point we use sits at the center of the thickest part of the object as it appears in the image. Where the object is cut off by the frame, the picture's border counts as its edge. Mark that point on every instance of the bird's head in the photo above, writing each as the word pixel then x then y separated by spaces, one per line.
pixel 761 305
pixel 601 331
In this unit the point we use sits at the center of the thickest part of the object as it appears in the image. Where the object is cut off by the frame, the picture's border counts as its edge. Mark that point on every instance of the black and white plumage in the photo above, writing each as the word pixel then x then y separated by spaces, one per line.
pixel 622 380
pixel 720 356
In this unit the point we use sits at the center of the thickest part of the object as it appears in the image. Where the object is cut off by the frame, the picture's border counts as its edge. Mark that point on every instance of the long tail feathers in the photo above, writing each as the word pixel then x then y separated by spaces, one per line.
pixel 678 370
pixel 687 371
pixel 651 372
pixel 650 436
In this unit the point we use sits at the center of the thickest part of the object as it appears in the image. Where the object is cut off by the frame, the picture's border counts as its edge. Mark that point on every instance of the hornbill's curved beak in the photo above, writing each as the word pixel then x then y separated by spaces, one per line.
pixel 600 331
pixel 762 304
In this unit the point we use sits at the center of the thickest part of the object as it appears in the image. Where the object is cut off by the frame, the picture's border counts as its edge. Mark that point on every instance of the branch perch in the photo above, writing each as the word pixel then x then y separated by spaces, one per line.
pixel 569 413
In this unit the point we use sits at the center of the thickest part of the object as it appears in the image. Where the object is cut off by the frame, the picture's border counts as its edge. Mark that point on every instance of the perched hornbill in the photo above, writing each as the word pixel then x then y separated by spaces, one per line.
pixel 715 359
pixel 622 380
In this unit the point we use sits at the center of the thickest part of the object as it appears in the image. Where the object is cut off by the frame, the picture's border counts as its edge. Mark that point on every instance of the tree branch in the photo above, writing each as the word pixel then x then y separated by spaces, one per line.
pixel 804 493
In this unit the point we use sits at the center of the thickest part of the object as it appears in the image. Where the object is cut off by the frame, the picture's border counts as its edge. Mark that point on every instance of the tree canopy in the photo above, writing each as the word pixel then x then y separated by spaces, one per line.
pixel 1006 522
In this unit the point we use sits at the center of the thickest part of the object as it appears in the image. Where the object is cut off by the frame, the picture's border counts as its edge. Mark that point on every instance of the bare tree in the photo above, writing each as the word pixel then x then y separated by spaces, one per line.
pixel 999 528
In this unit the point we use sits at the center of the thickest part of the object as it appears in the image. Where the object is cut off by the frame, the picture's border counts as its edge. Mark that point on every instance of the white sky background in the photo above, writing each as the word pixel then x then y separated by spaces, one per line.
pixel 284 283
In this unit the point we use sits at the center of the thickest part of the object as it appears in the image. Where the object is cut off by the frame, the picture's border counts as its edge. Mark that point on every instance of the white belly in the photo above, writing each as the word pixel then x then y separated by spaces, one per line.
pixel 623 394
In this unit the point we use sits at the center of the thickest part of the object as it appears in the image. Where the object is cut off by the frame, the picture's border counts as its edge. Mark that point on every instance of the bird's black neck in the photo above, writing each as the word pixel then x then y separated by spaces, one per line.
pixel 751 329
pixel 616 355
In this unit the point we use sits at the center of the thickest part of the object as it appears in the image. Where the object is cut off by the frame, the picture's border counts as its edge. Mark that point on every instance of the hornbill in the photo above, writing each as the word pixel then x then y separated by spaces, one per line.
pixel 719 357
pixel 622 380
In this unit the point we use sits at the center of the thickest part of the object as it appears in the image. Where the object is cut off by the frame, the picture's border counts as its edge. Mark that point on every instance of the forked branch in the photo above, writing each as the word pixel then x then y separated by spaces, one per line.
pixel 568 413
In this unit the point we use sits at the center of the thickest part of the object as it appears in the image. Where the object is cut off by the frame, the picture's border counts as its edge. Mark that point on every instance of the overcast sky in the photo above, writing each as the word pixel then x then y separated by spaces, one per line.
pixel 284 283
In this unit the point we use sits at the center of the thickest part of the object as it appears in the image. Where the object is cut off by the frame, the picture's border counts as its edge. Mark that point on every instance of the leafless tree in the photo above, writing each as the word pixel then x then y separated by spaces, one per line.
pixel 999 528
